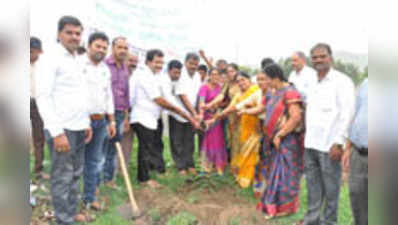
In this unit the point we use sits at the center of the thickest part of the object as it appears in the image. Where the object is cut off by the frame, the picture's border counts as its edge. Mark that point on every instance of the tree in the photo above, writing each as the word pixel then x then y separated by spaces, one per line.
pixel 351 70
pixel 286 66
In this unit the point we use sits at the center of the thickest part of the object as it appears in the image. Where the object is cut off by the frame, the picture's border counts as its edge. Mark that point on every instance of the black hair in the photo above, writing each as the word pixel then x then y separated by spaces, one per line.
pixel 324 46
pixel 116 39
pixel 244 74
pixel 203 67
pixel 96 36
pixel 191 55
pixel 174 64
pixel 150 55
pixel 35 43
pixel 213 69
pixel 68 20
pixel 266 61
pixel 274 71
pixel 234 65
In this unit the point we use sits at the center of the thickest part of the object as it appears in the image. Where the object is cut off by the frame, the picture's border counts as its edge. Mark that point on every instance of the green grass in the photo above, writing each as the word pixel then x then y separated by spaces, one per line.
pixel 182 218
pixel 173 182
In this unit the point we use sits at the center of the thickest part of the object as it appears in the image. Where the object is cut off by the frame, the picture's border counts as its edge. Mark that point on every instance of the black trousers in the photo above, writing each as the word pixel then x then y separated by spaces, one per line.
pixel 182 143
pixel 150 151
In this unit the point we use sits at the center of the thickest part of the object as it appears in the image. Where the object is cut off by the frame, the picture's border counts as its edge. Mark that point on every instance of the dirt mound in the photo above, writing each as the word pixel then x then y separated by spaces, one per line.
pixel 208 206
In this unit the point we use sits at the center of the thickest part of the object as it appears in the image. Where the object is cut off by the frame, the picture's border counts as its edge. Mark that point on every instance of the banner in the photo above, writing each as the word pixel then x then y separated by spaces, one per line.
pixel 147 24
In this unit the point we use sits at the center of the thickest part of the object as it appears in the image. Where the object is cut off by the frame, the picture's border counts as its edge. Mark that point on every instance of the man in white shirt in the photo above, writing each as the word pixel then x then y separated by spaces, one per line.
pixel 180 129
pixel 147 101
pixel 101 108
pixel 330 108
pixel 62 101
pixel 303 77
pixel 188 89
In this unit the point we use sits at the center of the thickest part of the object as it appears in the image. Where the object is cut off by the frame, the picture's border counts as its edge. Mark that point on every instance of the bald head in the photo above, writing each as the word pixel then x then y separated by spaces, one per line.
pixel 298 60
pixel 132 62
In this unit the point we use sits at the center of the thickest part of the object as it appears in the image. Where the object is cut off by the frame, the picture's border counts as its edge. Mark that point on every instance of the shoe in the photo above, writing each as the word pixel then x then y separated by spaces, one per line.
pixel 96 206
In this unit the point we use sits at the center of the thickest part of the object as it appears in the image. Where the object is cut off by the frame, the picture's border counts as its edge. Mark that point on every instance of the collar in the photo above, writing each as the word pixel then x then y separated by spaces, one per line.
pixel 111 61
pixel 65 52
pixel 88 62
pixel 329 76
pixel 187 74
pixel 302 70
pixel 148 70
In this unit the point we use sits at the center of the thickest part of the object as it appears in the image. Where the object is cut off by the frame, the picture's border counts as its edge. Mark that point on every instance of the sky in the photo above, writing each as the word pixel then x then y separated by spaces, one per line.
pixel 239 31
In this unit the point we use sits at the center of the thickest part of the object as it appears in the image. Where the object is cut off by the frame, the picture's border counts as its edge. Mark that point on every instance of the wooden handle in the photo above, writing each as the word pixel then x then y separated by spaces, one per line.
pixel 126 176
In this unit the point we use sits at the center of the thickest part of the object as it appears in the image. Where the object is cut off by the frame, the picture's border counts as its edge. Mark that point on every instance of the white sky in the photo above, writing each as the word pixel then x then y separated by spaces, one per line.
pixel 242 31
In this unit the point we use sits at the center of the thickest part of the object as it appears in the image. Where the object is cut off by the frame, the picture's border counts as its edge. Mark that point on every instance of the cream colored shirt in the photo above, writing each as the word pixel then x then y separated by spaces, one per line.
pixel 330 109
pixel 61 90
pixel 99 86
pixel 144 89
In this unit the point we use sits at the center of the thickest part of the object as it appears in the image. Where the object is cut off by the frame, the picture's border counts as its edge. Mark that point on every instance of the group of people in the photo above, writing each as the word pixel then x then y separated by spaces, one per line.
pixel 268 133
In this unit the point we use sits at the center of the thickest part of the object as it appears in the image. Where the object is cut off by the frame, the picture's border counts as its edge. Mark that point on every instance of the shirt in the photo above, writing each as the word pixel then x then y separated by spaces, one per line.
pixel 304 80
pixel 168 90
pixel 359 129
pixel 32 81
pixel 330 108
pixel 99 85
pixel 61 92
pixel 145 88
pixel 189 86
pixel 120 84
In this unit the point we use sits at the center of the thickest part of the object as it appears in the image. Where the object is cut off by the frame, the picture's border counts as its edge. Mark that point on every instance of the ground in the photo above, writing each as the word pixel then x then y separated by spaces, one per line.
pixel 183 201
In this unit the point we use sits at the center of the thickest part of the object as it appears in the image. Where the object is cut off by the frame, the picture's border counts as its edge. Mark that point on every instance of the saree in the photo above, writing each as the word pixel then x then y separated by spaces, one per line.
pixel 232 126
pixel 246 157
pixel 282 168
pixel 213 152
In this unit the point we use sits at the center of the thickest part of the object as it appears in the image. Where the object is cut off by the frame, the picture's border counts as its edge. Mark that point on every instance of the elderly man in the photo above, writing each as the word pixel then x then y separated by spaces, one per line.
pixel 128 134
pixel 303 77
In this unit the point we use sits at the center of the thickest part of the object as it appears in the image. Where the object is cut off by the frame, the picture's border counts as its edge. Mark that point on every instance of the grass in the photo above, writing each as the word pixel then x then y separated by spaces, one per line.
pixel 173 181
pixel 182 218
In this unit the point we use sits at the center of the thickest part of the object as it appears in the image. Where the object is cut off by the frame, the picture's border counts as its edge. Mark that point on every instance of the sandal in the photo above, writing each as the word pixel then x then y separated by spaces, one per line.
pixel 84 217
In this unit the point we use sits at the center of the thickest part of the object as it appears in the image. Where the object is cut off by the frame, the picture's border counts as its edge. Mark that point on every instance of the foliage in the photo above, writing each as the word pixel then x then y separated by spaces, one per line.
pixel 347 68
pixel 183 218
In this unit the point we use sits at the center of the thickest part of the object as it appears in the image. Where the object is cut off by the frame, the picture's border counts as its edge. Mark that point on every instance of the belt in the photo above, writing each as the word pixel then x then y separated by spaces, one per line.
pixel 97 116
pixel 362 151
